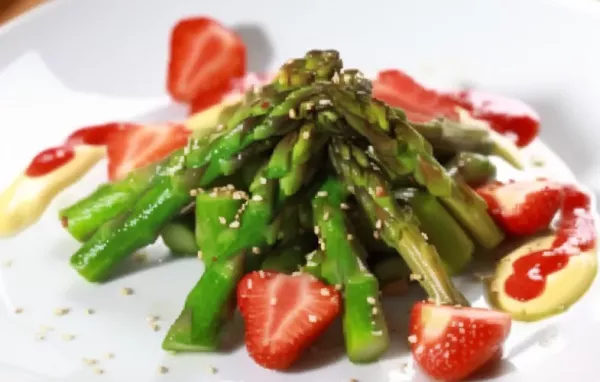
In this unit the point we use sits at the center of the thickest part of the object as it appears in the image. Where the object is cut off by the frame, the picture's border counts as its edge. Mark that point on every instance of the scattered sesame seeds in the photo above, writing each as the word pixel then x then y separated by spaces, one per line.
pixel 325 102
pixel 412 339
pixel 200 255
pixel 90 361
pixel 256 250
pixel 222 220
pixel 140 257
pixel 126 291
pixel 306 135
pixel 415 277
pixel 257 198
pixel 212 370
pixel 40 336
pixel 109 355
pixel 98 371
pixel 317 230
pixel 424 236
pixel 163 370
pixel 154 326
pixel 325 292
pixel 377 333
pixel 371 300
pixel 249 284
pixel 338 287
pixel 312 318
pixel 261 274
pixel 263 180
pixel 292 113
pixel 90 311
pixel 234 224
pixel 376 235
pixel 374 311
pixel 18 310
pixel 68 337
pixel 322 246
pixel 322 194
pixel 344 206
pixel 193 192
pixel 61 311
pixel 349 237
pixel 273 301
pixel 379 191
pixel 7 263
pixel 326 216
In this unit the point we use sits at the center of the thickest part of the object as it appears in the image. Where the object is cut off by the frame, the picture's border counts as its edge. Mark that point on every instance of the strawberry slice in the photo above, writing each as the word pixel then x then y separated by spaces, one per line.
pixel 506 116
pixel 139 146
pixel 450 343
pixel 230 90
pixel 205 56
pixel 524 207
pixel 283 315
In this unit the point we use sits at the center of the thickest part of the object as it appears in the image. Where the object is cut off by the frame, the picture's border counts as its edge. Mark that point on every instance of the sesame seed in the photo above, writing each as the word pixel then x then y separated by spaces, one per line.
pixel 220 127
pixel 338 287
pixel 126 291
pixel 377 333
pixel 40 337
pixel 376 234
pixel 213 194
pixel 273 301
pixel 325 102
pixel 344 206
pixel 322 246
pixel 349 237
pixel 18 310
pixel 371 300
pixel 374 311
pixel 7 263
pixel 90 311
pixel 249 284
pixel 261 274
pixel 297 273
pixel 412 339
pixel 61 311
pixel 353 380
pixel 424 236
pixel 222 220
pixel 415 277
pixel 235 224
pixel 322 194
pixel 212 370
pixel 317 230
pixel 257 198
pixel 326 216
pixel 163 370
pixel 379 191
pixel 306 135
pixel 378 224
pixel 68 337
pixel 193 192
pixel 45 328
pixel 256 250
pixel 154 326
pixel 263 180
pixel 140 257
pixel 325 292
pixel 89 361
pixel 98 371
pixel 200 255
pixel 109 356
pixel 312 318
pixel 292 113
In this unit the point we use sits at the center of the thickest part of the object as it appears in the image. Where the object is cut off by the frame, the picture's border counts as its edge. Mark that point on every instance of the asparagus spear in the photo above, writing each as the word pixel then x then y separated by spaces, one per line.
pixel 290 256
pixel 475 169
pixel 178 236
pixel 365 329
pixel 442 230
pixel 410 153
pixel 397 226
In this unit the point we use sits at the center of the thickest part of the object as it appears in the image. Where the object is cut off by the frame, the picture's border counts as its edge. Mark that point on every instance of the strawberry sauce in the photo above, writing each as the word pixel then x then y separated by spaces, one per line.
pixel 55 157
pixel 576 233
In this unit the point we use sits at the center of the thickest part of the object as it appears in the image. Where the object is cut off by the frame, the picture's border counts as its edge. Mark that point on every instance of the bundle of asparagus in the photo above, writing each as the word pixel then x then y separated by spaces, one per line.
pixel 309 174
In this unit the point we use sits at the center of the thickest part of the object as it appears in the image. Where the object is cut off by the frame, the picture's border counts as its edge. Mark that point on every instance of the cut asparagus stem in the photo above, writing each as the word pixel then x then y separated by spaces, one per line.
pixel 475 169
pixel 446 235
pixel 395 225
pixel 198 327
pixel 178 236
pixel 365 329
pixel 168 194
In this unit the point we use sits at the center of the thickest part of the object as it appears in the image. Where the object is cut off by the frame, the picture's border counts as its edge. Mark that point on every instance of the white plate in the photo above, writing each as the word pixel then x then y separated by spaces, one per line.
pixel 73 63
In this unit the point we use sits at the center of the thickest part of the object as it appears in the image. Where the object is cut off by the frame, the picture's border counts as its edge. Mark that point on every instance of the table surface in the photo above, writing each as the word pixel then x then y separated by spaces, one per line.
pixel 13 8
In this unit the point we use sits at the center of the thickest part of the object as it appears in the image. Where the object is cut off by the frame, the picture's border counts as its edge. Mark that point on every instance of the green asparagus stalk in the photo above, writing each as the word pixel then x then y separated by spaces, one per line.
pixel 397 226
pixel 365 329
pixel 475 169
pixel 442 230
pixel 178 235
pixel 206 308
pixel 290 256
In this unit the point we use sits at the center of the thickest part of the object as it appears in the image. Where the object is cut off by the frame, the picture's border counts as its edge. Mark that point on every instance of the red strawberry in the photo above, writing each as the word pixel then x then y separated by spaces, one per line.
pixel 524 207
pixel 205 56
pixel 283 315
pixel 139 146
pixel 232 89
pixel 450 343
pixel 506 116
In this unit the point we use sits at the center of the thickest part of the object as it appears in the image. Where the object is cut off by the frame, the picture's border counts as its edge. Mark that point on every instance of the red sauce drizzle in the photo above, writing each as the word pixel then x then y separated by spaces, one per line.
pixel 576 233
pixel 52 158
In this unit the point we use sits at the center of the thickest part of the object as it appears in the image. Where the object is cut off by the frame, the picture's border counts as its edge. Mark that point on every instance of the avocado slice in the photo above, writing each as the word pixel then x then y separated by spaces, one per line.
pixel 563 288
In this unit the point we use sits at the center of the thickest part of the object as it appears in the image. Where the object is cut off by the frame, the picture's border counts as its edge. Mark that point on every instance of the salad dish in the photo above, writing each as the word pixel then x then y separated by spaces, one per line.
pixel 310 193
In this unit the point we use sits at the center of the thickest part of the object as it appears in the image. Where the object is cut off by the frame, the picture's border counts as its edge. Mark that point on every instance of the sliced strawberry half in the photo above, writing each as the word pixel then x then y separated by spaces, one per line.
pixel 450 343
pixel 283 315
pixel 524 207
pixel 139 146
pixel 205 56
pixel 506 116
pixel 233 89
